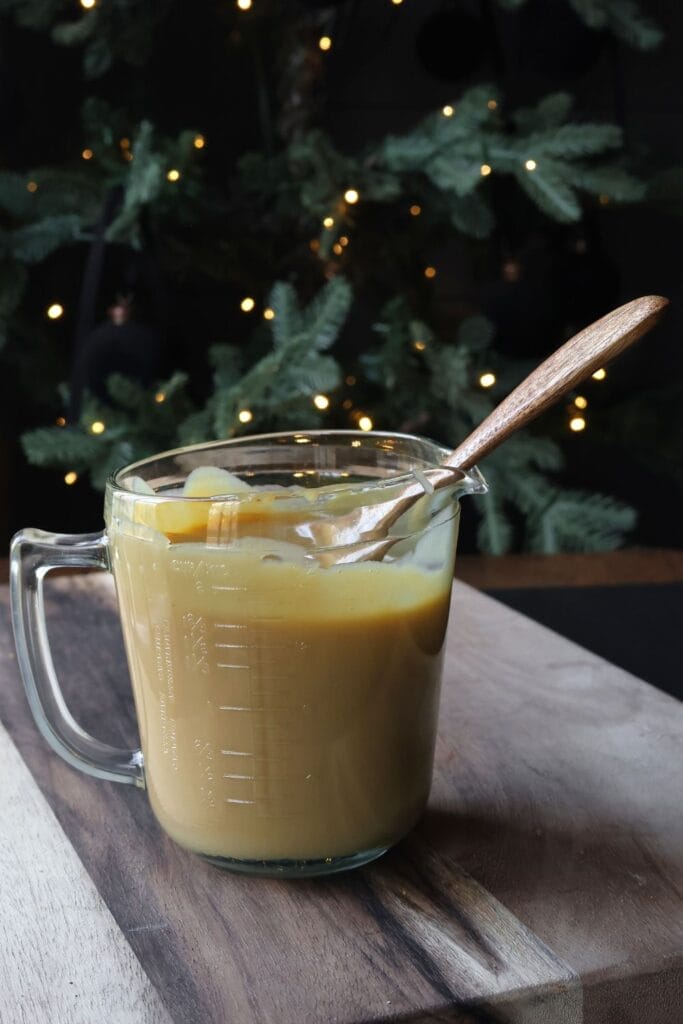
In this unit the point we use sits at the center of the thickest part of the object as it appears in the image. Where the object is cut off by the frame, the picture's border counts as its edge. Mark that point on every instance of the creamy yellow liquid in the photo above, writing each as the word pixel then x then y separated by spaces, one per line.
pixel 286 711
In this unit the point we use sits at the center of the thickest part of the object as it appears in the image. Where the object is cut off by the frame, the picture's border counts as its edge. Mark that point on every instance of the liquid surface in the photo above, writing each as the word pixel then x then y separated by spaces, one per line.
pixel 287 711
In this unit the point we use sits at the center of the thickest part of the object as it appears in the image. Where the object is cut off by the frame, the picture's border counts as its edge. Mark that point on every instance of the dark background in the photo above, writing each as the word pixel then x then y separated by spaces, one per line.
pixel 384 73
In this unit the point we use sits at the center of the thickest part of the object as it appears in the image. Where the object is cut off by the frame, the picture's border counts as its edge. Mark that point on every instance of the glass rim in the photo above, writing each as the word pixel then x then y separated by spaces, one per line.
pixel 472 475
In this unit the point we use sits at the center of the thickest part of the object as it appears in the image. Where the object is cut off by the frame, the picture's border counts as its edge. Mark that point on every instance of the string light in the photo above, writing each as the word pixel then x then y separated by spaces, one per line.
pixel 343 240
pixel 54 311
pixel 245 415
pixel 599 374
pixel 577 423
pixel 160 397
pixel 347 403
pixel 365 423
pixel 328 222
pixel 580 402
pixel 603 199
pixel 485 170
pixel 60 421
pixel 98 427
pixel 87 154
pixel 337 249
pixel 314 245
pixel 321 401
pixel 128 155
pixel 325 43
pixel 244 5
pixel 351 196
pixel 268 313
pixel 397 3
pixel 70 478
pixel 247 304
pixel 124 143
pixel 173 175
pixel 448 110
pixel 415 210
pixel 430 272
pixel 199 142
pixel 530 165
pixel 87 4
pixel 487 380
pixel 419 346
pixel 492 104
pixel 32 186
pixel 350 380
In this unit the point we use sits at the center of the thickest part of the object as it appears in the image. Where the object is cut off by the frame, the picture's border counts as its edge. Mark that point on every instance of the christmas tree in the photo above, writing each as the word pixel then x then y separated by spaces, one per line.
pixel 273 278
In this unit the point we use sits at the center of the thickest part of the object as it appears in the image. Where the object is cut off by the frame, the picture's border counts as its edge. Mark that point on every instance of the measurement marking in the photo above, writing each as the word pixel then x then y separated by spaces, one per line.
pixel 228 664
pixel 230 625
pixel 227 586
pixel 234 775
pixel 234 800
pixel 252 647
pixel 238 753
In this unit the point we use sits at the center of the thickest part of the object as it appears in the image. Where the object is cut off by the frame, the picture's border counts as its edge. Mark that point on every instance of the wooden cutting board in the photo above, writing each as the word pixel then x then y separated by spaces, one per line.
pixel 543 885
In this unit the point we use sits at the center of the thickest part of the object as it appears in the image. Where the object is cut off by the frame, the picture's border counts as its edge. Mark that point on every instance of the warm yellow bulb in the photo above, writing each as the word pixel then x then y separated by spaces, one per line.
pixel 397 3
pixel 350 380
pixel 88 4
pixel 492 104
pixel 325 43
pixel 599 374
pixel 351 196
pixel 343 240
pixel 243 5
pixel 419 346
pixel 160 397
pixel 245 415
pixel 60 421
pixel 487 380
pixel 32 186
pixel 268 313
pixel 365 423
pixel 485 170
pixel 173 175
pixel 603 199
pixel 321 401
pixel 124 143
pixel 448 110
pixel 54 311
pixel 430 272
pixel 577 423
pixel 328 222
pixel 70 478
pixel 580 402
pixel 247 304
pixel 87 154
pixel 530 165
pixel 199 142
pixel 415 210
pixel 337 249
pixel 97 427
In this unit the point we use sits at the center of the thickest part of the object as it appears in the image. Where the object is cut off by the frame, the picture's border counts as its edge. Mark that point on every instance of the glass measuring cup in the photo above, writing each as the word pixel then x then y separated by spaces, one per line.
pixel 287 704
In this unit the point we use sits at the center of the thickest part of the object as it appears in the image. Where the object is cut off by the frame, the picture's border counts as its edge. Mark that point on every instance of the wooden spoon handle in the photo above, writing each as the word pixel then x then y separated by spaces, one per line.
pixel 586 352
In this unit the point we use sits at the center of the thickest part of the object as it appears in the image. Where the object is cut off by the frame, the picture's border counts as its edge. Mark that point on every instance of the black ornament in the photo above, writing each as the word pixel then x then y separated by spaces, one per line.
pixel 452 45
pixel 555 42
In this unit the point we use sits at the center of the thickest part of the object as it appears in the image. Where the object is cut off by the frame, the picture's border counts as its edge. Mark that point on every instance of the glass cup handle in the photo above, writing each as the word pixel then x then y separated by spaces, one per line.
pixel 33 554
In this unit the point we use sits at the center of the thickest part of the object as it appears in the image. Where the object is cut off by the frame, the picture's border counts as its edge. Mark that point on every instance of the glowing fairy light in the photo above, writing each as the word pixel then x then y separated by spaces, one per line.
pixel 247 304
pixel 415 210
pixel 580 402
pixel 325 43
pixel 485 170
pixel 87 5
pixel 199 142
pixel 54 311
pixel 87 154
pixel 365 423
pixel 321 402
pixel 268 313
pixel 244 5
pixel 577 423
pixel 492 104
pixel 70 478
pixel 351 196
pixel 328 222
pixel 245 415
pixel 430 272
pixel 32 186
pixel 599 374
pixel 60 421
pixel 448 110
pixel 173 175
pixel 487 380
pixel 530 165
pixel 419 346
pixel 97 427
pixel 160 397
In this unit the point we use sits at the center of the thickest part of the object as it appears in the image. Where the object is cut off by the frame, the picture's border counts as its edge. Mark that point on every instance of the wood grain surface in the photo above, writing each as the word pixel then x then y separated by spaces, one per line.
pixel 541 887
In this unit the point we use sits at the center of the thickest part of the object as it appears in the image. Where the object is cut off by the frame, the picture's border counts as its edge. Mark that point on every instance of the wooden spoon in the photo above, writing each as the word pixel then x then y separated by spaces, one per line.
pixel 364 530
